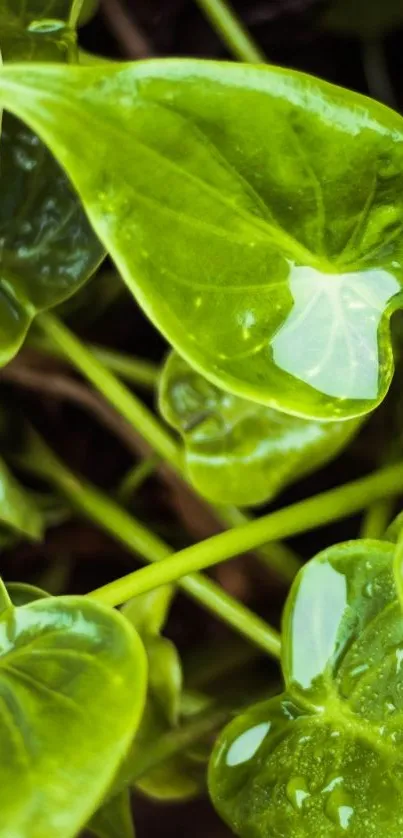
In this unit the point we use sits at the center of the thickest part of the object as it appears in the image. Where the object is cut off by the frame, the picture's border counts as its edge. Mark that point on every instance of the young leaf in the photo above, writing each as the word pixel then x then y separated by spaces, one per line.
pixel 18 510
pixel 326 757
pixel 237 451
pixel 47 247
pixel 265 255
pixel 148 612
pixel 21 593
pixel 114 818
pixel 72 684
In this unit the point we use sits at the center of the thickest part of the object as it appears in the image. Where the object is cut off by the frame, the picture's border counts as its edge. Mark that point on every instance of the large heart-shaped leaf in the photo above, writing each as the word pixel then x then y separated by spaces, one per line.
pixel 72 685
pixel 326 757
pixel 47 247
pixel 255 212
pixel 237 451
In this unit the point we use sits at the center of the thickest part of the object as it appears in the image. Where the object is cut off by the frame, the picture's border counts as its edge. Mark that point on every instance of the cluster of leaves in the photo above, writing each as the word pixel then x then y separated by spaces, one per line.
pixel 272 268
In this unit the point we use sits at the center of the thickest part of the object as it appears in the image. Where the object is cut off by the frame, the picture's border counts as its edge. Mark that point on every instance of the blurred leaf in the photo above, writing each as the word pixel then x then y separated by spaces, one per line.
pixel 165 675
pixel 18 510
pixel 239 452
pixel 148 612
pixel 114 819
pixel 21 593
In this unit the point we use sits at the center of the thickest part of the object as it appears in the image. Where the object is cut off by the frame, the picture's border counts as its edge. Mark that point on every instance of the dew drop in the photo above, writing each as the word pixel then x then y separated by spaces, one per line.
pixel 297 792
pixel 247 744
pixel 338 808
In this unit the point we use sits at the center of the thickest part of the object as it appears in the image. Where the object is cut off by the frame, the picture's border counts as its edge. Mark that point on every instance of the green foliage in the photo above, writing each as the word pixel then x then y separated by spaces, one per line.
pixel 48 248
pixel 325 758
pixel 65 665
pixel 237 451
pixel 370 18
pixel 277 255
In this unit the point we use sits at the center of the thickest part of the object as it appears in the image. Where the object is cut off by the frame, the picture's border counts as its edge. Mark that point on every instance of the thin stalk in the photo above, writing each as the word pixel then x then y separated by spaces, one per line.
pixel 135 478
pixel 299 517
pixel 226 22
pixel 111 518
pixel 75 13
pixel 275 556
pixel 125 402
pixel 61 340
pixel 377 518
pixel 376 71
pixel 134 370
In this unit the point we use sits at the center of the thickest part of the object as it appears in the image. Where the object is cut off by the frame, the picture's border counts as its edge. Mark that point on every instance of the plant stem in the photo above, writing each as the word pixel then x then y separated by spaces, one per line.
pixel 62 341
pixel 275 556
pixel 125 402
pixel 300 517
pixel 135 478
pixel 232 31
pixel 41 461
pixel 376 71
pixel 377 519
pixel 75 13
pixel 135 370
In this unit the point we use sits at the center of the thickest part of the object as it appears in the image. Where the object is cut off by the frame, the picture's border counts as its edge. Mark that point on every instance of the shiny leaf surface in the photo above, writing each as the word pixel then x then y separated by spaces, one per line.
pixel 237 451
pixel 266 256
pixel 325 758
pixel 47 247
pixel 18 510
pixel 114 818
pixel 66 665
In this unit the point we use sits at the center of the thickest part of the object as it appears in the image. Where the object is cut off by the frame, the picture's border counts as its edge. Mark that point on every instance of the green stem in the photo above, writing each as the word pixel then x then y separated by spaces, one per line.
pixel 275 556
pixel 41 461
pixel 75 13
pixel 300 517
pixel 377 518
pixel 62 341
pixel 232 31
pixel 125 402
pixel 135 478
pixel 135 370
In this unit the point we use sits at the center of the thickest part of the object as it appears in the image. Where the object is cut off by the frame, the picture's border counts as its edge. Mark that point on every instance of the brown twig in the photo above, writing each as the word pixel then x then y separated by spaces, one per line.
pixel 132 40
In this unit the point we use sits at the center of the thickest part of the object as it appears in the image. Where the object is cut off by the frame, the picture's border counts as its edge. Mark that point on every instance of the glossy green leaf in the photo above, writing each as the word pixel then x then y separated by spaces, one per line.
pixel 325 759
pixel 148 612
pixel 114 819
pixel 18 510
pixel 364 17
pixel 72 684
pixel 47 247
pixel 265 255
pixel 237 451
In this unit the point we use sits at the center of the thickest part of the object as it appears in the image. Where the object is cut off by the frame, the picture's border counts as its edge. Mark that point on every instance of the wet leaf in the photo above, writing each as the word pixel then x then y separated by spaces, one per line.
pixel 326 757
pixel 237 451
pixel 114 818
pixel 47 247
pixel 266 256
pixel 66 665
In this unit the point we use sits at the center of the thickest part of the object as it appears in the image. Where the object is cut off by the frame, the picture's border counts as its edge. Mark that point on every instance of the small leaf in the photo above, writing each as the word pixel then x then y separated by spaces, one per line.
pixel 369 18
pixel 72 683
pixel 148 612
pixel 326 757
pixel 266 257
pixel 47 247
pixel 165 675
pixel 114 819
pixel 18 510
pixel 237 451
pixel 22 594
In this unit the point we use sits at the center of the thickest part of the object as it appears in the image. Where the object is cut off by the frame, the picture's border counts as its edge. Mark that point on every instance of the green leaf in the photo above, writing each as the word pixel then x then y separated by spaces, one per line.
pixel 47 247
pixel 18 510
pixel 237 451
pixel 72 684
pixel 148 612
pixel 369 18
pixel 326 757
pixel 265 255
pixel 21 593
pixel 114 818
